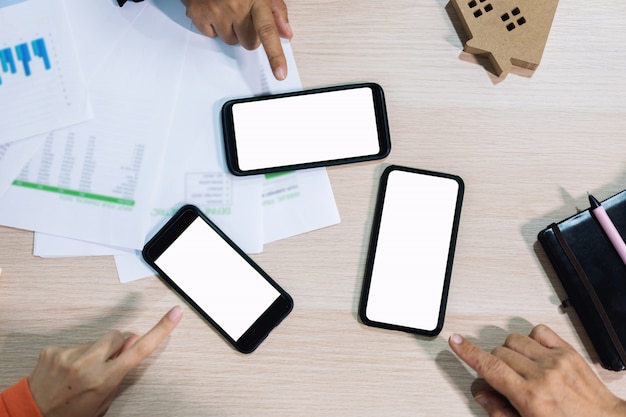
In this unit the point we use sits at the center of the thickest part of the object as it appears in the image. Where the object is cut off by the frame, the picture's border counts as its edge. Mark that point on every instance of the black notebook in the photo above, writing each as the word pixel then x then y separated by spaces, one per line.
pixel 594 277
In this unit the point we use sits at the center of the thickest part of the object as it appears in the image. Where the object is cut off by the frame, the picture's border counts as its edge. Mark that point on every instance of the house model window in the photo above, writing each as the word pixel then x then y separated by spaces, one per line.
pixel 509 32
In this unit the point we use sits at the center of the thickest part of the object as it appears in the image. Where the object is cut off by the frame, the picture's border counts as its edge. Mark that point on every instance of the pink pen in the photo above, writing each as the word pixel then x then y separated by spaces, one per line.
pixel 609 228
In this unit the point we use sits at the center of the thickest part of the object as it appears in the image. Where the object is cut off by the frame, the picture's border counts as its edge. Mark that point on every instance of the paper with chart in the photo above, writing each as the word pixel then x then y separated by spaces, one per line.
pixel 95 39
pixel 41 83
pixel 192 168
pixel 297 202
pixel 95 181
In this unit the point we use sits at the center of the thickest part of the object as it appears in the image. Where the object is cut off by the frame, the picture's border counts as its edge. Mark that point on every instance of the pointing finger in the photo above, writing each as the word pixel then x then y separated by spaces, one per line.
pixel 265 26
pixel 146 344
pixel 495 371
pixel 281 17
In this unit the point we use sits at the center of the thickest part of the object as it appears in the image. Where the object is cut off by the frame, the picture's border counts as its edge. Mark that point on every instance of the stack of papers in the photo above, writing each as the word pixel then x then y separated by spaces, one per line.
pixel 113 123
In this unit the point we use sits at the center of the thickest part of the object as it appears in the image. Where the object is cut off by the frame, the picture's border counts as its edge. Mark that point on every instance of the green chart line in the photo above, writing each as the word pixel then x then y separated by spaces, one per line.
pixel 74 193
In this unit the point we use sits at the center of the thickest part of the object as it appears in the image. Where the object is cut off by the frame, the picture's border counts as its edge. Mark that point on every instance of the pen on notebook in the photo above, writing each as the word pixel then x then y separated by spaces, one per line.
pixel 609 228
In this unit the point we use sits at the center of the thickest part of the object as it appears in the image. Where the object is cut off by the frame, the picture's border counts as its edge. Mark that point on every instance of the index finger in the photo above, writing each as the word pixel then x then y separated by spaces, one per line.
pixel 263 20
pixel 494 370
pixel 146 344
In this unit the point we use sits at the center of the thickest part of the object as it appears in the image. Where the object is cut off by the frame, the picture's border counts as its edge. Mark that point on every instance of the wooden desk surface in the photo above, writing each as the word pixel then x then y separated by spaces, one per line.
pixel 529 148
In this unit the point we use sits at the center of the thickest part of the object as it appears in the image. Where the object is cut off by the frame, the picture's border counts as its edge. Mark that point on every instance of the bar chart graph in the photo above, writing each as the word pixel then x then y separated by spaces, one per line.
pixel 41 84
pixel 10 58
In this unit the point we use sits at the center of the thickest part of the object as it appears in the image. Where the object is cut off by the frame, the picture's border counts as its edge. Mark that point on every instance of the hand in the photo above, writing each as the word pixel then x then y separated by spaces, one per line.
pixel 536 376
pixel 249 22
pixel 82 381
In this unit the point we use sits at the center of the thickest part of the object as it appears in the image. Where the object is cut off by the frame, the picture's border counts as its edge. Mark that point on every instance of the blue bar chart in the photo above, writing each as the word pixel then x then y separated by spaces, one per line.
pixel 19 61
pixel 41 84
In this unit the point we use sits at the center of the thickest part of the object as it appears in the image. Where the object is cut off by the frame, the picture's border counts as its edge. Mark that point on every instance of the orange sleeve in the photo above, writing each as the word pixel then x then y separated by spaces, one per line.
pixel 17 401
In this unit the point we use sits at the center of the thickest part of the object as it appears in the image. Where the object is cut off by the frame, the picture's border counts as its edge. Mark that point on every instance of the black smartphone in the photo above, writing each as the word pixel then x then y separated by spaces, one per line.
pixel 227 288
pixel 411 250
pixel 305 129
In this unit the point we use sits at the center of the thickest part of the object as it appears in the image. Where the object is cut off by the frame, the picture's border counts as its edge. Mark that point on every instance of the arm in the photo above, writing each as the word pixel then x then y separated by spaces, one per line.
pixel 249 22
pixel 539 375
pixel 82 381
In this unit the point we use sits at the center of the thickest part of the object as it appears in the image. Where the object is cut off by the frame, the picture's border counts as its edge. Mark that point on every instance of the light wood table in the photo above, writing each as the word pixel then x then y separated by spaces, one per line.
pixel 528 147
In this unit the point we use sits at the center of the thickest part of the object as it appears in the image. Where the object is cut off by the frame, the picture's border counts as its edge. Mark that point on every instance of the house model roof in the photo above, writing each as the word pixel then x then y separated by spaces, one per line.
pixel 508 32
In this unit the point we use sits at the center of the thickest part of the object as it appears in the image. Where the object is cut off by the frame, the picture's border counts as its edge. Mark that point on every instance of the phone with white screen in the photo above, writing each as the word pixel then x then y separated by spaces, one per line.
pixel 227 288
pixel 305 129
pixel 411 250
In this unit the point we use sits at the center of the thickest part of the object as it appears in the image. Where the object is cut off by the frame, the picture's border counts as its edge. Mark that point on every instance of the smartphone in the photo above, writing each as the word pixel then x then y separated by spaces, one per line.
pixel 227 288
pixel 305 129
pixel 411 250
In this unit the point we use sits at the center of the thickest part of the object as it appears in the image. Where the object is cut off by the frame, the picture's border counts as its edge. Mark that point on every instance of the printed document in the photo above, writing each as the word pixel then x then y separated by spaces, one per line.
pixel 41 83
pixel 186 164
pixel 95 181
pixel 13 157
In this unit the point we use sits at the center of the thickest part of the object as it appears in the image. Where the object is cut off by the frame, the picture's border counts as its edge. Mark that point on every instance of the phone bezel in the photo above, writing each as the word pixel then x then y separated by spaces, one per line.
pixel 382 124
pixel 374 241
pixel 260 329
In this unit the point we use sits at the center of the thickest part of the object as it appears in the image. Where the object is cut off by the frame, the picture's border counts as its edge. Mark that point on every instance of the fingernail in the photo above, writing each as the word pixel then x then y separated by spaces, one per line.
pixel 482 400
pixel 175 313
pixel 457 339
pixel 280 73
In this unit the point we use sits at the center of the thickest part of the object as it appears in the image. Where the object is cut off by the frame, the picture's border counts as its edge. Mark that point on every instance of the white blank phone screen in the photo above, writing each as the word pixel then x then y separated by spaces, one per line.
pixel 304 129
pixel 412 253
pixel 217 278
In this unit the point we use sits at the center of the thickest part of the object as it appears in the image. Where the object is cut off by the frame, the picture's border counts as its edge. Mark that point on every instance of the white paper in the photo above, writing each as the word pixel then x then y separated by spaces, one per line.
pixel 196 148
pixel 105 169
pixel 41 83
pixel 131 267
pixel 95 39
pixel 99 26
pixel 13 156
pixel 297 202
pixel 49 246
pixel 192 168
pixel 129 264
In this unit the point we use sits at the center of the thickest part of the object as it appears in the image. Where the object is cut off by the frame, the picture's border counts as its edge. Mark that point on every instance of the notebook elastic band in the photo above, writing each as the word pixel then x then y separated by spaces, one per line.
pixel 591 291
